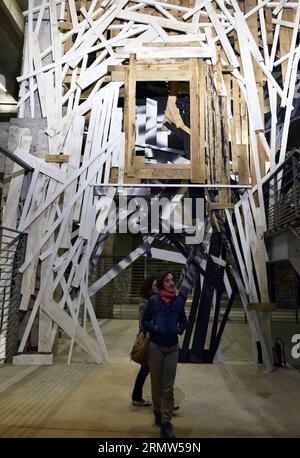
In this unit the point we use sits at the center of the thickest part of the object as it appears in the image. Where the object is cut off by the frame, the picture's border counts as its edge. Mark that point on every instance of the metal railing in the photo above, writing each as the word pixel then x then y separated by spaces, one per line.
pixel 12 253
pixel 282 195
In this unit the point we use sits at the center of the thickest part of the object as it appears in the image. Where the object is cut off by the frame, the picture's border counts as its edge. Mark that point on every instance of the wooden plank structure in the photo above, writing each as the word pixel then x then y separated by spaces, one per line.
pixel 82 73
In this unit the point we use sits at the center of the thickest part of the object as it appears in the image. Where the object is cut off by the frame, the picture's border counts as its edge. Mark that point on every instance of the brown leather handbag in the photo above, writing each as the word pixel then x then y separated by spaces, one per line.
pixel 140 350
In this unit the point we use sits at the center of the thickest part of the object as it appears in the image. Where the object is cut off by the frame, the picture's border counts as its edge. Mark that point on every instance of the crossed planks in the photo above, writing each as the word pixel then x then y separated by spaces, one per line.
pixel 59 215
pixel 112 30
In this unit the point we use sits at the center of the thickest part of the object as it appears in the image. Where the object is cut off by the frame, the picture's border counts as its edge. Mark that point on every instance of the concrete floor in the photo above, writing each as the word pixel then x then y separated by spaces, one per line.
pixel 227 399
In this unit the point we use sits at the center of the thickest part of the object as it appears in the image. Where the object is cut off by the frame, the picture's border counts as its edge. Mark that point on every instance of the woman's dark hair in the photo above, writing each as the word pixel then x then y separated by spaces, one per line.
pixel 162 276
pixel 146 287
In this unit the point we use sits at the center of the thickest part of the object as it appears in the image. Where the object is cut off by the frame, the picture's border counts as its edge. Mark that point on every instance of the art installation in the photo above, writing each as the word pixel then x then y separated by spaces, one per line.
pixel 149 100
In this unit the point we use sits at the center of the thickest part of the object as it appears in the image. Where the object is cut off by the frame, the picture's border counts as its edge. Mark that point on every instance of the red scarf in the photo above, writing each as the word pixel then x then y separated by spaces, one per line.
pixel 167 296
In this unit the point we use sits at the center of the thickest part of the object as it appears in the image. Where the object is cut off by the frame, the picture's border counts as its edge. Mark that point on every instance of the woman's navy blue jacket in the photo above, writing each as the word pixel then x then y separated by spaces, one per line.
pixel 163 321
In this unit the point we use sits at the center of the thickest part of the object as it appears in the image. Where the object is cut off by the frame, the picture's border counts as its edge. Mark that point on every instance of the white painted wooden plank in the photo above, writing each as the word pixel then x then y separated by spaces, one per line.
pixel 37 248
pixel 88 144
pixel 37 8
pixel 274 44
pixel 69 96
pixel 65 322
pixel 258 253
pixel 40 17
pixel 151 125
pixel 118 126
pixel 237 250
pixel 30 194
pixel 34 161
pixel 112 273
pixel 211 44
pixel 287 5
pixel 92 35
pixel 94 4
pixel 292 48
pixel 169 6
pixel 41 291
pixel 166 255
pixel 283 23
pixel 169 52
pixel 163 11
pixel 161 32
pixel 147 19
pixel 45 322
pixel 225 11
pixel 33 238
pixel 279 7
pixel 40 77
pixel 121 160
pixel 247 257
pixel 62 11
pixel 95 324
pixel 95 143
pixel 73 255
pixel 246 16
pixel 273 106
pixel 36 232
pixel 256 53
pixel 254 106
pixel 75 320
pixel 98 72
pixel 222 36
pixel 81 53
pixel 23 97
pixel 106 115
pixel 283 58
pixel 289 108
pixel 265 144
pixel 12 202
pixel 56 54
pixel 74 176
pixel 197 8
pixel 264 34
pixel 74 17
pixel 30 60
pixel 23 86
pixel 73 148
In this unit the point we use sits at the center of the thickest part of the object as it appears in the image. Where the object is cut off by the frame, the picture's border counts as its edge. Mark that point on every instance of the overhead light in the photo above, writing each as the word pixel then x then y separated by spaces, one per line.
pixel 2 83
pixel 2 88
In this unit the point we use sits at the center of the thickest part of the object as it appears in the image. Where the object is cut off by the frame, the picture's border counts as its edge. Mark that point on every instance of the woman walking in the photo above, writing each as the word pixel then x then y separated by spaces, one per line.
pixel 164 317
pixel 148 289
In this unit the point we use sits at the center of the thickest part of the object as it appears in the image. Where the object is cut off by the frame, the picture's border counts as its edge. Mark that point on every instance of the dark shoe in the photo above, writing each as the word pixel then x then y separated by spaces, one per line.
pixel 166 431
pixel 141 403
pixel 176 407
pixel 157 419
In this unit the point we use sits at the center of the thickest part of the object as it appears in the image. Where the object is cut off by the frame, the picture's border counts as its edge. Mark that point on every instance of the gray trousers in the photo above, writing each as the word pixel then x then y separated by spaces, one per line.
pixel 162 372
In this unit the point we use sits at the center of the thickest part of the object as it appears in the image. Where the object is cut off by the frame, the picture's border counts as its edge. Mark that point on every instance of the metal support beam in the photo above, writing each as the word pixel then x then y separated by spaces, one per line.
pixel 16 159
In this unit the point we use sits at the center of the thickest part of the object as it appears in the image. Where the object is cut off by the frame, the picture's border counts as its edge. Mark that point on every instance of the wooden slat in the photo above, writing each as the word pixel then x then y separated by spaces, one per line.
pixel 153 72
pixel 59 158
pixel 202 101
pixel 194 121
pixel 130 115
pixel 243 166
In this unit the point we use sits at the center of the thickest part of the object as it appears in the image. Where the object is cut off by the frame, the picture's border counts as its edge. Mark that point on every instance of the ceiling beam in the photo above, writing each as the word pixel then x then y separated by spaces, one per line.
pixel 14 14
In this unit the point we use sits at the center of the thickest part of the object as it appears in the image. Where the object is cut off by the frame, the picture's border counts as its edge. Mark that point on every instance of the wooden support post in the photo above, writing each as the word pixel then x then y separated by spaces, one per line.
pixel 243 166
pixel 202 98
pixel 194 119
pixel 129 115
